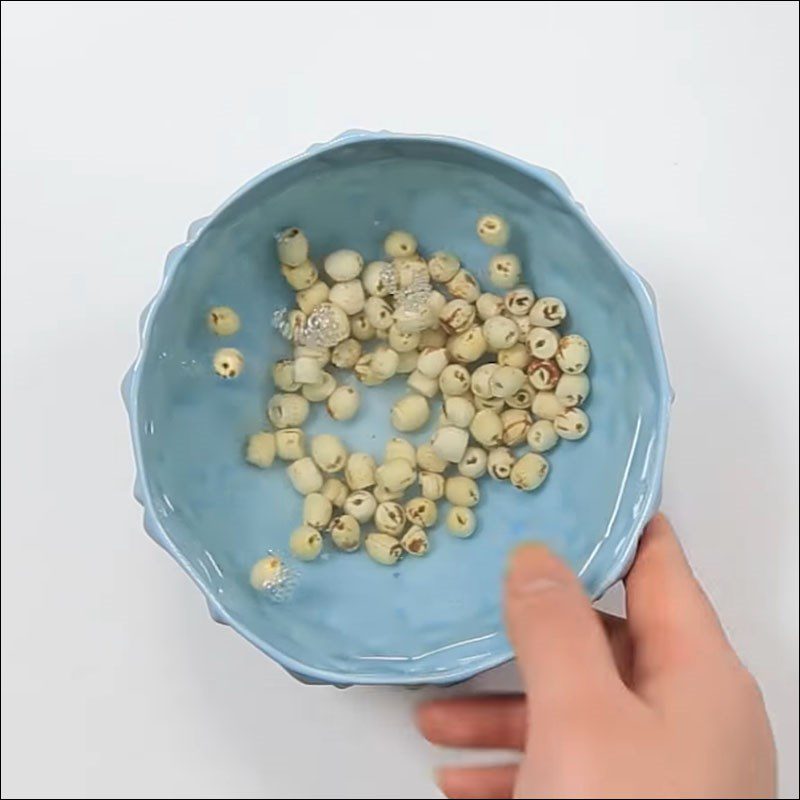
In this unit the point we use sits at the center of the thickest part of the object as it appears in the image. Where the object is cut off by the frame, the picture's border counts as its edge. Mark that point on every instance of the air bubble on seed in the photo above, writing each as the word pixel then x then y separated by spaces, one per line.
pixel 281 588
pixel 280 321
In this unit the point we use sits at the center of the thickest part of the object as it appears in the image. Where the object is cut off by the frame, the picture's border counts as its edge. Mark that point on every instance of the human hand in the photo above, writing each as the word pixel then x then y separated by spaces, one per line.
pixel 655 706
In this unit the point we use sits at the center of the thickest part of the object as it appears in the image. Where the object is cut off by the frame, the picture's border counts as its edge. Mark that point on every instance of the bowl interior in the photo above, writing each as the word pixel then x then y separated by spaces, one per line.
pixel 427 619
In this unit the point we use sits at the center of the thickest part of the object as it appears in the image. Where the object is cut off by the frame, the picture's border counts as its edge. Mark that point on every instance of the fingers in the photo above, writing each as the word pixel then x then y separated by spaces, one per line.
pixel 491 722
pixel 561 647
pixel 670 618
pixel 481 783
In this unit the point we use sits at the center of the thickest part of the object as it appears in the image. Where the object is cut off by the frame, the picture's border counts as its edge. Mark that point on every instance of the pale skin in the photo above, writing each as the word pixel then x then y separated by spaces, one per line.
pixel 654 706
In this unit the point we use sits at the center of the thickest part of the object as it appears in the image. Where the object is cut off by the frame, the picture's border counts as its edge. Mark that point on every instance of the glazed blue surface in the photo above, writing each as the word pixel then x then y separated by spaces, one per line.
pixel 431 620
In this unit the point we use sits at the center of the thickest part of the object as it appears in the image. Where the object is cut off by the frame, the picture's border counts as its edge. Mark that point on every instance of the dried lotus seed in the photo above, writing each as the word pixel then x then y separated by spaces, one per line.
pixel 505 270
pixel 396 475
pixel 464 286
pixel 398 447
pixel 410 270
pixel 547 312
pixel 343 403
pixel 432 361
pixel 345 533
pixel 361 328
pixel 493 230
pixel 514 356
pixel 403 341
pixel 443 266
pixel 487 428
pixel 390 517
pixel 468 346
pixel 542 436
pixel 450 443
pixel 399 243
pixel 317 510
pixel 383 548
pixel 459 411
pixel 305 543
pixel 423 384
pixel 309 299
pixel 292 247
pixel 300 277
pixel 349 296
pixel 429 460
pixel 328 452
pixel 287 410
pixel 529 472
pixel 461 521
pixel 290 444
pixel 506 381
pixel 457 316
pixel 547 406
pixel 489 305
pixel 522 398
pixel 266 573
pixel 336 491
pixel 454 379
pixel 500 332
pixel 307 370
pixel 322 354
pixel 261 449
pixel 346 353
pixel 343 265
pixel 436 302
pixel 318 392
pixel 500 463
pixel 359 472
pixel 572 390
pixel 543 374
pixel 384 362
pixel 431 485
pixel 542 343
pixel 462 491
pixel 378 313
pixel 361 505
pixel 573 354
pixel 519 301
pixel 473 464
pixel 228 362
pixel 283 375
pixel 573 423
pixel 421 511
pixel 516 422
pixel 379 278
pixel 410 413
pixel 415 541
pixel 305 475
pixel 223 321
pixel 481 380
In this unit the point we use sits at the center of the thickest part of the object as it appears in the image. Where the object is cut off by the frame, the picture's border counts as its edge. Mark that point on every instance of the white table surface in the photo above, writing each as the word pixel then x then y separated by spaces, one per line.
pixel 676 125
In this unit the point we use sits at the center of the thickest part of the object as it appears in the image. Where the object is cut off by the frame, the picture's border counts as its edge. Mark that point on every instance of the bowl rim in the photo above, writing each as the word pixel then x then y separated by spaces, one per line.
pixel 132 382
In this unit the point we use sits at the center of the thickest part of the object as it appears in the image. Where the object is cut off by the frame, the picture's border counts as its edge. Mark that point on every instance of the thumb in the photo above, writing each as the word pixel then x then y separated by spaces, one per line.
pixel 560 644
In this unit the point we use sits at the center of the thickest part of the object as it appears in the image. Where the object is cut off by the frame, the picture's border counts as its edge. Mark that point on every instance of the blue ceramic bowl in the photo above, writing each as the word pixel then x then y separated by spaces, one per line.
pixel 430 620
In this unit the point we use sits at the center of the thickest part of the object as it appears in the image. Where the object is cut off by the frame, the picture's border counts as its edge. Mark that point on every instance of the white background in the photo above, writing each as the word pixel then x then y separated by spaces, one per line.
pixel 676 124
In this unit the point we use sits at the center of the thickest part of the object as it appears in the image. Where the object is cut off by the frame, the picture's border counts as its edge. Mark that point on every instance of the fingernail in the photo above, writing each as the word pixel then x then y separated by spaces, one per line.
pixel 532 569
